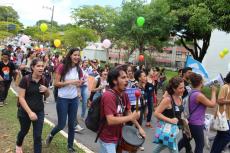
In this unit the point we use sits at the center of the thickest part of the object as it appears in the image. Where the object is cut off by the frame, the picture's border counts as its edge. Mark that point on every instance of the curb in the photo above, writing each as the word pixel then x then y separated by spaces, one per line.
pixel 63 133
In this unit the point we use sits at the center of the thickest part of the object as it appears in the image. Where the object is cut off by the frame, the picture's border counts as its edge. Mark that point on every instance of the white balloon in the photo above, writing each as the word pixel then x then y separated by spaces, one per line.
pixel 106 43
pixel 24 39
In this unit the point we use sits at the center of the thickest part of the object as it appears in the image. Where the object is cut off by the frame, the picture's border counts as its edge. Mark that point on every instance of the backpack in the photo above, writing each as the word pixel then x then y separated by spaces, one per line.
pixel 93 119
pixel 186 101
pixel 27 77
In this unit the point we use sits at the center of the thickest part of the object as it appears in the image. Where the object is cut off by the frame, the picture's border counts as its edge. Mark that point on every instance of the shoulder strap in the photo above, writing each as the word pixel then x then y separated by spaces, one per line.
pixel 173 103
pixel 27 81
pixel 197 106
pixel 103 120
pixel 98 82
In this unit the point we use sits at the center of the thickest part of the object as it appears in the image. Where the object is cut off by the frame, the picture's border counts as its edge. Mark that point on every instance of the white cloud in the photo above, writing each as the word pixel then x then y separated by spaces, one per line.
pixel 30 11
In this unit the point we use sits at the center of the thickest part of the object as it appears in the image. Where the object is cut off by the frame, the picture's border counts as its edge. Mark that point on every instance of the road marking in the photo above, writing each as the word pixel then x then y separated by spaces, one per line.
pixel 79 145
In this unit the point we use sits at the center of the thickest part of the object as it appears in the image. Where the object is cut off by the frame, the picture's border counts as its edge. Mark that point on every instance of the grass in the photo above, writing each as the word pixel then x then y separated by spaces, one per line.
pixel 9 127
pixel 205 90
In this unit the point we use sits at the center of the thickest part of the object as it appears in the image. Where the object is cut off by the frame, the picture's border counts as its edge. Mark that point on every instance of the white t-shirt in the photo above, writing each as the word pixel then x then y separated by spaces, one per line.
pixel 69 91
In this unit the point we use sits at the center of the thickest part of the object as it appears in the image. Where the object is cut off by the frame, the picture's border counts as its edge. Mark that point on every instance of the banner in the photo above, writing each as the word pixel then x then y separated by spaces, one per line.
pixel 196 66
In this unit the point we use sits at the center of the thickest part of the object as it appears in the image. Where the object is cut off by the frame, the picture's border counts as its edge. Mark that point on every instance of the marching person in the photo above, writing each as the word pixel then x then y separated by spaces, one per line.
pixel 7 72
pixel 32 88
pixel 198 104
pixel 68 78
pixel 223 137
pixel 115 114
pixel 171 104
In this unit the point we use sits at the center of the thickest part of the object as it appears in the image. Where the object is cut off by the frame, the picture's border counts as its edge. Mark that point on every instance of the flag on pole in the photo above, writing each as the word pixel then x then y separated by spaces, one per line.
pixel 196 66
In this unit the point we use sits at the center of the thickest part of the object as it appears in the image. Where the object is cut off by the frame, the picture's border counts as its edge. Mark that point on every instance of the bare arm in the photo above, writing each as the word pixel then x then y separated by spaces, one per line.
pixel 222 101
pixel 204 100
pixel 58 83
pixel 164 104
pixel 113 120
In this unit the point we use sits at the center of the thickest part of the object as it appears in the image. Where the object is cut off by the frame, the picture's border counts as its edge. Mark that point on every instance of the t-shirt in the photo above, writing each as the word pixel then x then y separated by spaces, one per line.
pixel 69 91
pixel 112 133
pixel 225 95
pixel 6 70
pixel 33 97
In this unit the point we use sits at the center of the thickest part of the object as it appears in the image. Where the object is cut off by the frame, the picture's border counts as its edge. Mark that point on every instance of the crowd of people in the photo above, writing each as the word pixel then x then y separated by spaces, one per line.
pixel 74 79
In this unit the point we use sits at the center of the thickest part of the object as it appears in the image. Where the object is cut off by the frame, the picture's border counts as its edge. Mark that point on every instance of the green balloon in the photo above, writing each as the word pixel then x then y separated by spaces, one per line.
pixel 140 21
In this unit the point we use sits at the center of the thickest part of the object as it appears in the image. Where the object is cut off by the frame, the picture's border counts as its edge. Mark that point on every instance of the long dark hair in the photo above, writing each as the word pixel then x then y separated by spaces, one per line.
pixel 67 62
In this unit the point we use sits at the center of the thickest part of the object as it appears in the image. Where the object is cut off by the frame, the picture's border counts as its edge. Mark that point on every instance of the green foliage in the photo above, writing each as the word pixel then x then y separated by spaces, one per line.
pixel 158 23
pixel 7 13
pixel 95 17
pixel 4 34
pixel 221 11
pixel 4 27
pixel 197 19
pixel 77 37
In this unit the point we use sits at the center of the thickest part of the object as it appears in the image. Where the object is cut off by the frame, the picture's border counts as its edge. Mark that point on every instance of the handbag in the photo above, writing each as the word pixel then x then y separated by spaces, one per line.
pixel 220 122
pixel 166 133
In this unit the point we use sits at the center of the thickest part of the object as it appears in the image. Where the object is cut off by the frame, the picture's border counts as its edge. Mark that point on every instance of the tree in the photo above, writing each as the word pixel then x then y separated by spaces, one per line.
pixel 78 37
pixel 158 23
pixel 96 17
pixel 7 13
pixel 196 20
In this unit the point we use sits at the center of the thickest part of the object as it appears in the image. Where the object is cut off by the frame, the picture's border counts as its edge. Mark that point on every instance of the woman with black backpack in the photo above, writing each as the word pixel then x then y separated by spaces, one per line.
pixel 32 88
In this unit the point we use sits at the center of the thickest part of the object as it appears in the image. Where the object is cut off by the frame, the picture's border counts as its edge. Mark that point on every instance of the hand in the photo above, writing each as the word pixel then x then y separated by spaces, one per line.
pixel 142 132
pixel 43 89
pixel 174 120
pixel 135 116
pixel 214 89
pixel 1 79
pixel 33 116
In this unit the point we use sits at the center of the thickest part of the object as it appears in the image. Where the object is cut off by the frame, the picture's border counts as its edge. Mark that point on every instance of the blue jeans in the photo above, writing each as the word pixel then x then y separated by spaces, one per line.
pixel 25 123
pixel 159 147
pixel 84 95
pixel 107 147
pixel 221 140
pixel 150 108
pixel 66 107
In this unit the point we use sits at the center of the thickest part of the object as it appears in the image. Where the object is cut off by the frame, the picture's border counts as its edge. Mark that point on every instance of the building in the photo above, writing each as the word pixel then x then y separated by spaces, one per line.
pixel 171 56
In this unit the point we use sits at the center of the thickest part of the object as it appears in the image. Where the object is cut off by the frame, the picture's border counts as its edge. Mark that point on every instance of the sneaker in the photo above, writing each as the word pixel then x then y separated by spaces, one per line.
pixel 49 139
pixel 141 148
pixel 1 103
pixel 71 150
pixel 5 103
pixel 78 128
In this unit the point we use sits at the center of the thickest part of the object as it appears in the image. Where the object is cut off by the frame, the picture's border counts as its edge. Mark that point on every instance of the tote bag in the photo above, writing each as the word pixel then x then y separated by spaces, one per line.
pixel 220 123
pixel 166 133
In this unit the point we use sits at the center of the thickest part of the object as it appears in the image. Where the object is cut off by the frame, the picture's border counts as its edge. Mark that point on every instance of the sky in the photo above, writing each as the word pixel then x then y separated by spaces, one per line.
pixel 31 11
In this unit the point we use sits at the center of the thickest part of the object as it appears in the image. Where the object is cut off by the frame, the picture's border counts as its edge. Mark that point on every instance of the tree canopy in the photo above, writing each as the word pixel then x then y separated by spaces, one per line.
pixel 95 17
pixel 196 20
